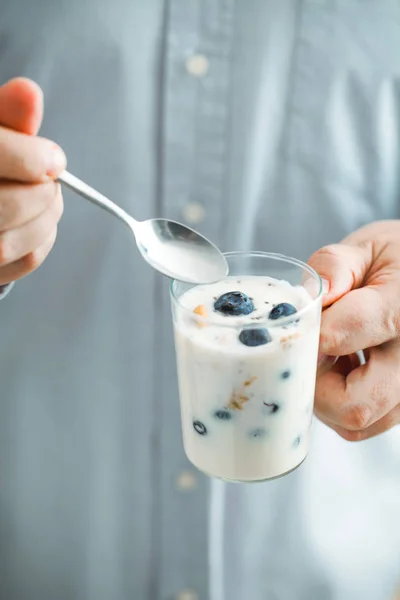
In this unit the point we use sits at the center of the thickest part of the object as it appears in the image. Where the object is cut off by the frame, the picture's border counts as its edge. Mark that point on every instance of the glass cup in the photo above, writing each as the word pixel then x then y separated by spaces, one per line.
pixel 247 382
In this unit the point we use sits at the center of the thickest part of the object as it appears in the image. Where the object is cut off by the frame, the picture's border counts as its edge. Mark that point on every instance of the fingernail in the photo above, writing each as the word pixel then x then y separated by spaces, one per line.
pixel 323 343
pixel 325 363
pixel 55 160
pixel 325 286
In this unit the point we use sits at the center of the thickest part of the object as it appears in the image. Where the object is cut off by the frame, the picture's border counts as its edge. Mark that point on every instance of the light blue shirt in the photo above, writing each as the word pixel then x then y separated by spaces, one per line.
pixel 269 126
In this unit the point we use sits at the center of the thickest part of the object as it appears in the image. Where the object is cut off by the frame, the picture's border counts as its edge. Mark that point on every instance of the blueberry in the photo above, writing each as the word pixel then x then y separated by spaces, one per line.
pixel 257 433
pixel 285 375
pixel 273 407
pixel 255 337
pixel 297 442
pixel 200 427
pixel 223 415
pixel 282 310
pixel 234 304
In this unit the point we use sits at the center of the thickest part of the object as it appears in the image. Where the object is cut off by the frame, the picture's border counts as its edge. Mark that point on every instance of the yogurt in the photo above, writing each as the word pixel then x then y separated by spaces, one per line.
pixel 247 381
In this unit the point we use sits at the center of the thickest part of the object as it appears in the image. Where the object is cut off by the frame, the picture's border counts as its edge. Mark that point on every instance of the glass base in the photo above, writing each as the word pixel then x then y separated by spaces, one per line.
pixel 254 480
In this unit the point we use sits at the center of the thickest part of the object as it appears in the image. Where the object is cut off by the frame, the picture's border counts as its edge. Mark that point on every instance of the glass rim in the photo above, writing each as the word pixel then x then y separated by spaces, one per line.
pixel 278 323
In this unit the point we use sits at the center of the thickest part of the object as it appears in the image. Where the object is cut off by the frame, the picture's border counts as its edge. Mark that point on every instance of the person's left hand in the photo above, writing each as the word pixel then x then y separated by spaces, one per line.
pixel 363 313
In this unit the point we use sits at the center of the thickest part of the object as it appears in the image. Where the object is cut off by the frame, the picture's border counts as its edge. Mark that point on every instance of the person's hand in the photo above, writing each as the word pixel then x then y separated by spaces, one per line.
pixel 31 203
pixel 363 313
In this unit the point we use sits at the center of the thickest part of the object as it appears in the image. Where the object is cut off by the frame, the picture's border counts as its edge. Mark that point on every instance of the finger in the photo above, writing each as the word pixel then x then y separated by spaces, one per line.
pixel 365 317
pixel 29 263
pixel 385 424
pixel 29 159
pixel 361 398
pixel 21 105
pixel 21 203
pixel 16 243
pixel 359 317
pixel 342 267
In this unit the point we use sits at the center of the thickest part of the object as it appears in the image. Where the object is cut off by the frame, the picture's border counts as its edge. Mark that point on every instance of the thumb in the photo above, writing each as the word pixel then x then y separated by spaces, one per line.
pixel 21 106
pixel 342 268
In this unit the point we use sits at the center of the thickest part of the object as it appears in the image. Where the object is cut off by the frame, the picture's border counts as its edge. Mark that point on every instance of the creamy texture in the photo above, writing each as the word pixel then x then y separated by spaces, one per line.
pixel 246 411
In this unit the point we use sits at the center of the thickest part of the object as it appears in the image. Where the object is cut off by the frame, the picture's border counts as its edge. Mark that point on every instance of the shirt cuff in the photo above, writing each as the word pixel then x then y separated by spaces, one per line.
pixel 5 290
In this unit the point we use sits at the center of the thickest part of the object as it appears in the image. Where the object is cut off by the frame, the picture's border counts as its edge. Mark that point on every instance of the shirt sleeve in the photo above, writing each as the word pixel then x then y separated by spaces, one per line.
pixel 5 290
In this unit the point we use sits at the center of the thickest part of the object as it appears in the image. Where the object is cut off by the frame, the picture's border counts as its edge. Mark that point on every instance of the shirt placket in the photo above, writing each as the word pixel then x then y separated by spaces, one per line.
pixel 195 138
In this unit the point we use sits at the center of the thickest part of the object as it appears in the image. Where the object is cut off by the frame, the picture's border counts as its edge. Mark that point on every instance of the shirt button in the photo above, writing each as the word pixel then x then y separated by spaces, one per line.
pixel 186 481
pixel 193 213
pixel 187 595
pixel 197 65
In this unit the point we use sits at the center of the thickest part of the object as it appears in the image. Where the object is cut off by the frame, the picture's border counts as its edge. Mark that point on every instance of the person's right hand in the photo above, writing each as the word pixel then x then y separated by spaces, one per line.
pixel 31 202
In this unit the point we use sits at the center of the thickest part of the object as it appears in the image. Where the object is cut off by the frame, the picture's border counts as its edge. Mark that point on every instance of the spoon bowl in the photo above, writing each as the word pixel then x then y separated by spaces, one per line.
pixel 169 247
pixel 173 249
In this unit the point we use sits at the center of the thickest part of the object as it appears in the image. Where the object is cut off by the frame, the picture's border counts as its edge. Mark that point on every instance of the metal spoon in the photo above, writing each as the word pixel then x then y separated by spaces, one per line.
pixel 170 247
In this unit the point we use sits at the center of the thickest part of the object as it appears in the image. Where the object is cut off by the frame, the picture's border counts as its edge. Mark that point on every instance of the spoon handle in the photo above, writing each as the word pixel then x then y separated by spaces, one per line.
pixel 95 197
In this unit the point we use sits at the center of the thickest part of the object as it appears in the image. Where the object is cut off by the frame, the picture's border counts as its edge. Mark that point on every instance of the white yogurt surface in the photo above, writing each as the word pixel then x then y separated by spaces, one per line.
pixel 246 411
